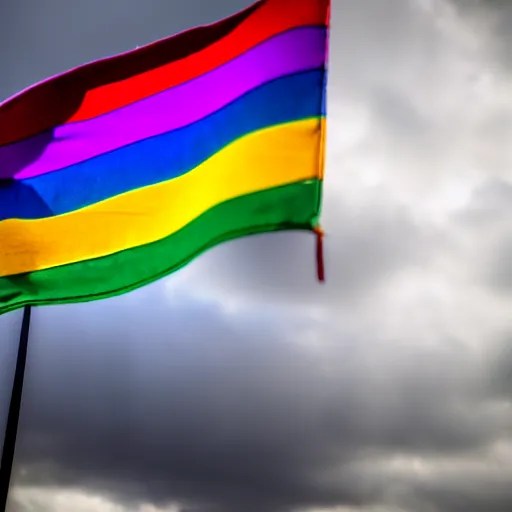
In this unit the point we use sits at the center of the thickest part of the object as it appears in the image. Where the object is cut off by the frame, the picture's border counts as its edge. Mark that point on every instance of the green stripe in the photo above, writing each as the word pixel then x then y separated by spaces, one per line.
pixel 288 207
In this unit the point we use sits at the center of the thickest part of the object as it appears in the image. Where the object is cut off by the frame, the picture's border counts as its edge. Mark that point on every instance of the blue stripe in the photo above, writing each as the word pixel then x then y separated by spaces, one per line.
pixel 166 156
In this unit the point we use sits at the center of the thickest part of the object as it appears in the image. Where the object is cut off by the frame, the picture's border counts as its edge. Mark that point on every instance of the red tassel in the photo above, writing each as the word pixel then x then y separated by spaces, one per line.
pixel 320 254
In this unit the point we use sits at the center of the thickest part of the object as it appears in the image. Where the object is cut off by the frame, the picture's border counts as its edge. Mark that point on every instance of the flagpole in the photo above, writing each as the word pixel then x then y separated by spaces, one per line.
pixel 14 411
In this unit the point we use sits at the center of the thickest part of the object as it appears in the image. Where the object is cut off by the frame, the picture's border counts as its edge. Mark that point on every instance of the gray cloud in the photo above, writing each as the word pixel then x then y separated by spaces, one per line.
pixel 489 219
pixel 202 425
pixel 494 17
pixel 233 412
pixel 499 270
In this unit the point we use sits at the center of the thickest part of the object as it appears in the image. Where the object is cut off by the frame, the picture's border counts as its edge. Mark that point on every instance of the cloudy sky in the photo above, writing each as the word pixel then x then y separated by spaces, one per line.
pixel 240 384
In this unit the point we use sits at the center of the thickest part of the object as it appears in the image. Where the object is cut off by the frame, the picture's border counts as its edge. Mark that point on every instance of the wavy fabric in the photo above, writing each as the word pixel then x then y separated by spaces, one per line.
pixel 288 53
pixel 147 171
pixel 290 207
pixel 166 156
pixel 265 159
pixel 105 85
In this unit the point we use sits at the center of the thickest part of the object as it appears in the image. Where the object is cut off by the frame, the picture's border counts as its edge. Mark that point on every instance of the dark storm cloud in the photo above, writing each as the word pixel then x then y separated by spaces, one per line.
pixel 226 419
pixel 229 412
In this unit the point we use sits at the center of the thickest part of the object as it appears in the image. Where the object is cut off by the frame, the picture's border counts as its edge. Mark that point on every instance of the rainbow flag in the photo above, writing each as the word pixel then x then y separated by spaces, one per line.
pixel 121 171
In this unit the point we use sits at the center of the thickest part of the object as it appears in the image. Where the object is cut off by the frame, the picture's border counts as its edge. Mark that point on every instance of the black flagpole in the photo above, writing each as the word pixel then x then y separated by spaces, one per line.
pixel 14 411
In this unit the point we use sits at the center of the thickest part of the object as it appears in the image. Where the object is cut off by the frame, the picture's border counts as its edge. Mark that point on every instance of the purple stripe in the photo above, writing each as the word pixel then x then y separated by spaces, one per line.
pixel 291 52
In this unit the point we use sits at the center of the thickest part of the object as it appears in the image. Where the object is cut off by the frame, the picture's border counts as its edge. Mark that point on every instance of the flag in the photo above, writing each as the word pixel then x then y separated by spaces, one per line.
pixel 121 171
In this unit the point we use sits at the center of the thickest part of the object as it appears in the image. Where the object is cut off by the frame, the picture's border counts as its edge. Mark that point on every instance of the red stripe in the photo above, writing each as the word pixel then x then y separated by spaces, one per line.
pixel 108 84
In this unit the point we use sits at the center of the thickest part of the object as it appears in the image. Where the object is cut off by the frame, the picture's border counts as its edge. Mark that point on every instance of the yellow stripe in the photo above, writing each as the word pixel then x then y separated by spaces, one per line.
pixel 265 159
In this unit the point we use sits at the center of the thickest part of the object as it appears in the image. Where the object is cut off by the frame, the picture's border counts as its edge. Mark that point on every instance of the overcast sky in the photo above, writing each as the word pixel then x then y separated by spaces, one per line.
pixel 240 384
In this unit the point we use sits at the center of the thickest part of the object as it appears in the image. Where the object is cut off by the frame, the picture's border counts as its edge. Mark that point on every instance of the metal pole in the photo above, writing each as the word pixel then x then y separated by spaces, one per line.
pixel 14 411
